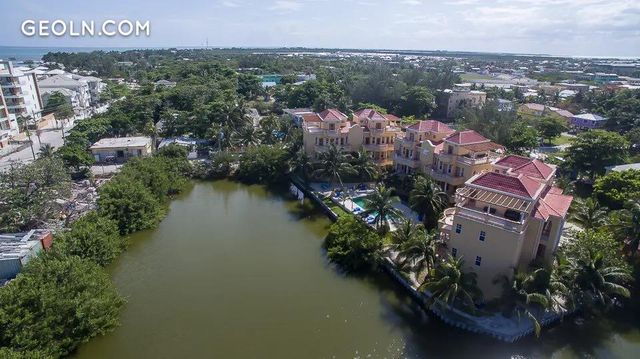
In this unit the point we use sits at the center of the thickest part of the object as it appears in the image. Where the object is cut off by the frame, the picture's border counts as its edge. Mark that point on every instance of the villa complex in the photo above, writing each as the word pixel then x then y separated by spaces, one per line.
pixel 507 213
pixel 449 157
pixel 368 129
pixel 505 219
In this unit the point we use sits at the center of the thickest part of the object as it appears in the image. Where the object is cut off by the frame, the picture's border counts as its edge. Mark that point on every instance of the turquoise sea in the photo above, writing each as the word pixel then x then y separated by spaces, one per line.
pixel 22 53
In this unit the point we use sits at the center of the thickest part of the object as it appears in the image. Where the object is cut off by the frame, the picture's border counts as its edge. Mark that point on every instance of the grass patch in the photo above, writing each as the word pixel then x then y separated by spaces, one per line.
pixel 335 208
pixel 469 76
pixel 562 140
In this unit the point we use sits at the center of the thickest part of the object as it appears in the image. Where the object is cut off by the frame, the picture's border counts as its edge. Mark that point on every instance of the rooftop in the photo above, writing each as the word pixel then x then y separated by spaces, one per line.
pixel 431 126
pixel 332 115
pixel 466 137
pixel 521 185
pixel 122 142
pixel 590 117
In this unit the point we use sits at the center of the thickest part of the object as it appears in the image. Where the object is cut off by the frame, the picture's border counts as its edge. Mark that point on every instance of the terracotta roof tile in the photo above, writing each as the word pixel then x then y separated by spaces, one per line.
pixel 332 115
pixel 513 161
pixel 432 126
pixel 553 203
pixel 521 185
pixel 466 137
pixel 536 169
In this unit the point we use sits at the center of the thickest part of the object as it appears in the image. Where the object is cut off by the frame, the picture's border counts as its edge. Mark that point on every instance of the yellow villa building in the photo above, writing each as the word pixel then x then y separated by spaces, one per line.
pixel 368 129
pixel 504 219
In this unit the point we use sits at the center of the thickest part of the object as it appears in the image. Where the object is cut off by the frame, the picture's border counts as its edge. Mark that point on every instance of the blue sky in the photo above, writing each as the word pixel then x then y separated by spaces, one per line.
pixel 558 27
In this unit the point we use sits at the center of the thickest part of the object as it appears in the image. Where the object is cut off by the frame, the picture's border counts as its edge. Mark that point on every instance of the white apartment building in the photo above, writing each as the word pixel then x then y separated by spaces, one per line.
pixel 20 91
pixel 66 81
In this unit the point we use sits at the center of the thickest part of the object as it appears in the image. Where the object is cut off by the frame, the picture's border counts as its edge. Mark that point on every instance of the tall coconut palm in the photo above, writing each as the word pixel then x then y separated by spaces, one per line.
pixel 419 254
pixel 588 213
pixel 406 231
pixel 334 165
pixel 364 165
pixel 428 200
pixel 596 284
pixel 450 285
pixel 526 293
pixel 46 151
pixel 626 225
pixel 380 204
pixel 246 136
pixel 301 165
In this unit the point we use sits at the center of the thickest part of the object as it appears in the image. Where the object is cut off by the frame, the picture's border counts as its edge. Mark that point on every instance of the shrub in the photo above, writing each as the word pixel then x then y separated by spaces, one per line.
pixel 92 237
pixel 56 304
pixel 352 245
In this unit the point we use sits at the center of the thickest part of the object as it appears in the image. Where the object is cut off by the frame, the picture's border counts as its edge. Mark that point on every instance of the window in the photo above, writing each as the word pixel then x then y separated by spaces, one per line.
pixel 478 260
pixel 454 252
pixel 450 150
pixel 458 228
pixel 483 235
pixel 366 140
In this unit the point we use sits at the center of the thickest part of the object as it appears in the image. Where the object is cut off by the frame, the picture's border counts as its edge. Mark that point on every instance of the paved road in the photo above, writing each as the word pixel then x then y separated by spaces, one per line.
pixel 50 136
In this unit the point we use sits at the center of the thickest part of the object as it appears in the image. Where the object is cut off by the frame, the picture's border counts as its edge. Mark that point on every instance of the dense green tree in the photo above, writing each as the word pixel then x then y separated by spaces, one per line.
pixel 301 165
pixel 615 188
pixel 263 164
pixel 92 237
pixel 55 304
pixel 417 101
pixel 523 139
pixel 75 156
pixel 551 127
pixel 592 151
pixel 28 193
pixel 130 204
pixel 352 245
pixel 59 105
pixel 249 86
pixel 419 253
pixel 428 200
pixel 601 241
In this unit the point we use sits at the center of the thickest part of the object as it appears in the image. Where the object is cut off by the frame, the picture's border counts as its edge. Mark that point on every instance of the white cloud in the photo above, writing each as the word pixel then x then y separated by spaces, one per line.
pixel 286 5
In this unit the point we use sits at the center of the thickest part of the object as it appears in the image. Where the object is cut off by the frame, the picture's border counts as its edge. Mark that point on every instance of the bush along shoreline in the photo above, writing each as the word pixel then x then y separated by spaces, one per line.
pixel 64 297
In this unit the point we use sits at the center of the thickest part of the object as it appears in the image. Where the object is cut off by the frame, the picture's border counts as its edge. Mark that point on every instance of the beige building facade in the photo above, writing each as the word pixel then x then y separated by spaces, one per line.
pixel 368 129
pixel 505 219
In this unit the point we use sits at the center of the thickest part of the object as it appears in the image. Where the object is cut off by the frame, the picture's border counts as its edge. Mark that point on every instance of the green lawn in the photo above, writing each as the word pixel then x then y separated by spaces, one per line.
pixel 562 140
pixel 469 76
pixel 334 207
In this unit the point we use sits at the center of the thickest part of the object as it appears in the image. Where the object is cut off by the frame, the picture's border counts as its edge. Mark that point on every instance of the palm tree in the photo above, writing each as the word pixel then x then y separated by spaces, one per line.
pixel 46 151
pixel 23 125
pixel 525 292
pixel 597 284
pixel 380 203
pixel 588 213
pixel 364 165
pixel 246 136
pixel 406 231
pixel 626 225
pixel 428 200
pixel 334 165
pixel 419 253
pixel 450 285
pixel 301 164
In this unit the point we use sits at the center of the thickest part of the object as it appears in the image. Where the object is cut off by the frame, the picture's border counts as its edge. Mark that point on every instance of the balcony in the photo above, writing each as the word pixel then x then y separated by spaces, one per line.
pixel 492 220
pixel 446 177
pixel 476 161
pixel 9 85
pixel 380 147
pixel 16 106
pixel 411 162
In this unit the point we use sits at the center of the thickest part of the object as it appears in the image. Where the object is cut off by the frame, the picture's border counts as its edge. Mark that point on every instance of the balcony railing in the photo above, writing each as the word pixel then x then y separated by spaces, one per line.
pixel 490 219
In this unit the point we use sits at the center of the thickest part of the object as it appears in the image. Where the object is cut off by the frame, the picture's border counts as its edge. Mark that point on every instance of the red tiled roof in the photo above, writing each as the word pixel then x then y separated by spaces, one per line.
pixel 553 203
pixel 534 106
pixel 332 115
pixel 513 161
pixel 431 125
pixel 313 117
pixel 466 137
pixel 372 114
pixel 521 185
pixel 536 169
pixel 483 146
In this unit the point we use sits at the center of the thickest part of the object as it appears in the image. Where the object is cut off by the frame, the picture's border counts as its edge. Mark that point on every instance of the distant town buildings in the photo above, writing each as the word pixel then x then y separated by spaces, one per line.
pixel 368 129
pixel 459 98
pixel 20 92
pixel 587 121
pixel 121 149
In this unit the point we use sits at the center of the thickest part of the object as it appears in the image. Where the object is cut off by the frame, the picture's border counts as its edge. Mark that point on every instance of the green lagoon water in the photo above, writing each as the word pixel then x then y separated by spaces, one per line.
pixel 235 271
